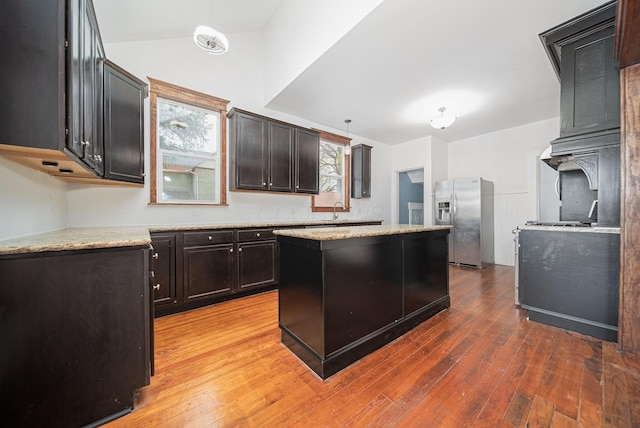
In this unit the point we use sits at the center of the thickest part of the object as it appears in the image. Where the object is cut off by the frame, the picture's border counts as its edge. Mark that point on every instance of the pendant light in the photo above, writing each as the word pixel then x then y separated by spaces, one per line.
pixel 210 40
pixel 347 148
pixel 442 121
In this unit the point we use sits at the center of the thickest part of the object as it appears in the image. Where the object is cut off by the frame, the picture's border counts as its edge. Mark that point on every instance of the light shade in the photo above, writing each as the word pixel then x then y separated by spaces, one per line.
pixel 442 121
pixel 210 40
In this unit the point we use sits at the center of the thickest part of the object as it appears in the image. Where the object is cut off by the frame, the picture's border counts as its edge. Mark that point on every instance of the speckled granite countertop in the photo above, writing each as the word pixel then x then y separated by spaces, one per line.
pixel 594 229
pixel 333 233
pixel 168 228
pixel 83 238
pixel 77 238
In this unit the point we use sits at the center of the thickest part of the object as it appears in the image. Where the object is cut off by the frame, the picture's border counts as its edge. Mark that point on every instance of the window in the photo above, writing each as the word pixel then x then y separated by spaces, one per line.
pixel 334 174
pixel 188 146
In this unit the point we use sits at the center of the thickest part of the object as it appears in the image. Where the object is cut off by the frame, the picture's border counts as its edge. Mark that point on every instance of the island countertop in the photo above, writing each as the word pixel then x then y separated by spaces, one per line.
pixel 334 233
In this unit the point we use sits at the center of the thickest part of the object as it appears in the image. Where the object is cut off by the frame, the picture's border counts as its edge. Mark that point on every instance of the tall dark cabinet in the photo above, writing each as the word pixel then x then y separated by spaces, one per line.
pixel 582 53
pixel 361 171
pixel 52 77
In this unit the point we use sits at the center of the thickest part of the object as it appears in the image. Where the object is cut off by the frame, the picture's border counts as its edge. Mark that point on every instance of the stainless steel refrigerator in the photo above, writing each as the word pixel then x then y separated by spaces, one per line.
pixel 467 205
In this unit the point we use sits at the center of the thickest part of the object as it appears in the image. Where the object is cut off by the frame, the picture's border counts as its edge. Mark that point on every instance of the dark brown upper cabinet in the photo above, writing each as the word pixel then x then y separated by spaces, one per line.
pixel 52 81
pixel 361 171
pixel 307 161
pixel 124 96
pixel 270 155
pixel 582 54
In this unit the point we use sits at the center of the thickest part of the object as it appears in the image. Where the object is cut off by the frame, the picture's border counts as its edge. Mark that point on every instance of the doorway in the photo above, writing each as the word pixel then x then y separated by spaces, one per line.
pixel 411 197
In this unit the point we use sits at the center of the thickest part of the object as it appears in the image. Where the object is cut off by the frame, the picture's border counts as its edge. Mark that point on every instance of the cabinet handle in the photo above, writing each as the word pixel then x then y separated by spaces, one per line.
pixel 231 250
pixel 239 250
pixel 210 238
pixel 156 287
pixel 270 184
pixel 258 234
pixel 85 143
pixel 155 256
pixel 264 184
pixel 97 158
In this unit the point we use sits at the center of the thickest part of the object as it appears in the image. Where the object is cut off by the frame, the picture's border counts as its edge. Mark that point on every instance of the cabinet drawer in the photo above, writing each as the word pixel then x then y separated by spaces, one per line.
pixel 208 237
pixel 255 235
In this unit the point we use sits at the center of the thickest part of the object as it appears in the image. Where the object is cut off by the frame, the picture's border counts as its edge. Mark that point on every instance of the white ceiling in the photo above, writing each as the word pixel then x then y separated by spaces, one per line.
pixel 483 60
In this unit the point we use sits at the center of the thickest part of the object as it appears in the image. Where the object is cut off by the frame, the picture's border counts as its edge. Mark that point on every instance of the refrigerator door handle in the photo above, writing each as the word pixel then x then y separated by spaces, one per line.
pixel 454 204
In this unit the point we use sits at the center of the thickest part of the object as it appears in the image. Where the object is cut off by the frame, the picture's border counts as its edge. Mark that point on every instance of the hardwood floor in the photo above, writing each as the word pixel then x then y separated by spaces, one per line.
pixel 478 363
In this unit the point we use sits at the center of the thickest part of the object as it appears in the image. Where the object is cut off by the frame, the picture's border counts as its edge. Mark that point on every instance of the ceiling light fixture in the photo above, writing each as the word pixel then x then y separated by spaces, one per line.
pixel 442 121
pixel 209 39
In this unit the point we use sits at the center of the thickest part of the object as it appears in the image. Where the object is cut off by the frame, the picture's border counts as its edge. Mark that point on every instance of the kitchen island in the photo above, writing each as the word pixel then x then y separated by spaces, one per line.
pixel 345 292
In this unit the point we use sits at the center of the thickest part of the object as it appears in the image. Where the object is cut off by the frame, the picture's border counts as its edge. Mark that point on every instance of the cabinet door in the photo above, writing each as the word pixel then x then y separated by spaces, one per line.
pixel 590 90
pixel 75 78
pixel 93 61
pixel 256 264
pixel 85 86
pixel 280 157
pixel 251 152
pixel 164 269
pixel 361 171
pixel 123 125
pixel 208 271
pixel 307 161
pixel 32 73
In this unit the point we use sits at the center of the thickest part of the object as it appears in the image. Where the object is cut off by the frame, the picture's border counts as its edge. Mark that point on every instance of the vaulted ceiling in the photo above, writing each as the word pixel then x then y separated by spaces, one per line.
pixel 392 71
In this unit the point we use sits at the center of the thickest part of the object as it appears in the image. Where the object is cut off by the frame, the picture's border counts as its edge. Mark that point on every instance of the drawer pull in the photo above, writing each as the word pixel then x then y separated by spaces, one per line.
pixel 258 235
pixel 231 250
pixel 156 287
pixel 210 238
pixel 155 256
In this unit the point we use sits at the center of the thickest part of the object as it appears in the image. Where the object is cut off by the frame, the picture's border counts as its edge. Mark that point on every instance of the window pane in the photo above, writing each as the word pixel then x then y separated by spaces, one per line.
pixel 188 178
pixel 187 128
pixel 331 159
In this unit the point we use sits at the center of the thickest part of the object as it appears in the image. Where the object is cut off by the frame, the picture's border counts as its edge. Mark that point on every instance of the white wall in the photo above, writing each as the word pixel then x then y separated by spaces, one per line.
pixel 236 76
pixel 508 158
pixel 30 201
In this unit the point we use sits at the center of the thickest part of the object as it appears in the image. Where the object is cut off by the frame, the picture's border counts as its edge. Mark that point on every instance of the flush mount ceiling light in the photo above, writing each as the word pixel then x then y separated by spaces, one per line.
pixel 209 39
pixel 442 121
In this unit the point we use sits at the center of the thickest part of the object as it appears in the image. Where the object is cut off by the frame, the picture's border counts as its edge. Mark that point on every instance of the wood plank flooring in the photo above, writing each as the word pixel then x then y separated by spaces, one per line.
pixel 479 363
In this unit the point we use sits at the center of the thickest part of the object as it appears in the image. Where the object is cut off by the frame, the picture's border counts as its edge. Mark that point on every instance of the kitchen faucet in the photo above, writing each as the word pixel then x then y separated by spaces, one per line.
pixel 335 215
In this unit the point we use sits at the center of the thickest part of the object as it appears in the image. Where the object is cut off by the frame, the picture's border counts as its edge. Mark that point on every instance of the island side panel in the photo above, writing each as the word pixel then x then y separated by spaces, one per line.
pixel 300 296
pixel 363 288
pixel 426 271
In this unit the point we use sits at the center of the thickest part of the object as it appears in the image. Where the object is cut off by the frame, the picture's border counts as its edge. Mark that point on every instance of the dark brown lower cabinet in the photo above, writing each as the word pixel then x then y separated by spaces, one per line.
pixel 208 271
pixel 256 264
pixel 198 268
pixel 75 331
pixel 164 269
pixel 194 268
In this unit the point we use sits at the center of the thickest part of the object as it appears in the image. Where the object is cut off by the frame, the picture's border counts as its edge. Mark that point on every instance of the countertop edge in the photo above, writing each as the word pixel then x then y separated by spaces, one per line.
pixel 338 233
pixel 91 238
pixel 594 229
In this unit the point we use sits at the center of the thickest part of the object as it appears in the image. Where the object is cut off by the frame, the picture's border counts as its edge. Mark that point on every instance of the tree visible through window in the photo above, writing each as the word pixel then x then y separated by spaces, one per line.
pixel 334 174
pixel 188 146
